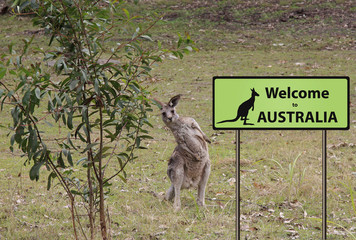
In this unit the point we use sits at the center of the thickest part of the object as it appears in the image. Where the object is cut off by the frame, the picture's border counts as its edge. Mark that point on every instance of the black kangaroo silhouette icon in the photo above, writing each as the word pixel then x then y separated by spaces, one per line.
pixel 244 108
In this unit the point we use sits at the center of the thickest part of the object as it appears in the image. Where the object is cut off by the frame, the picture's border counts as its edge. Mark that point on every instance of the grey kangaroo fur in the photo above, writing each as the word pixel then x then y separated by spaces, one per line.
pixel 244 108
pixel 189 164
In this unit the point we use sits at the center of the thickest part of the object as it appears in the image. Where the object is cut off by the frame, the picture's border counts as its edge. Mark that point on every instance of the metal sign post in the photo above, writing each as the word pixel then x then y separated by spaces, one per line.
pixel 324 187
pixel 281 103
pixel 237 184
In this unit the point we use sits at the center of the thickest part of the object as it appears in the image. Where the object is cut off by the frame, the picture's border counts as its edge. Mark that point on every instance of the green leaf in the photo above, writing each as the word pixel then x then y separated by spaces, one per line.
pixel 11 50
pixel 15 115
pixel 122 157
pixel 70 141
pixel 89 146
pixel 18 60
pixel 60 161
pixel 67 153
pixel 35 171
pixel 180 40
pixel 51 176
pixel 135 87
pixel 96 86
pixel 48 123
pixel 123 178
pixel 69 158
pixel 70 120
pixel 136 33
pixel 84 159
pixel 26 98
pixel 12 140
pixel 76 192
pixel 33 141
pixel 103 156
pixel 38 93
pixel 138 142
pixel 81 136
pixel 58 99
pixel 110 135
pixel 85 114
pixel 51 40
pixel 2 72
pixel 105 149
pixel 189 48
pixel 146 137
pixel 78 129
pixel 127 13
pixel 146 37
pixel 49 180
pixel 73 84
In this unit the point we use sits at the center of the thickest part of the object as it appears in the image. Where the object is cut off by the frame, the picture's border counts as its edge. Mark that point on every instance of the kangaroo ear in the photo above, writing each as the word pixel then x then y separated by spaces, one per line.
pixel 159 104
pixel 174 101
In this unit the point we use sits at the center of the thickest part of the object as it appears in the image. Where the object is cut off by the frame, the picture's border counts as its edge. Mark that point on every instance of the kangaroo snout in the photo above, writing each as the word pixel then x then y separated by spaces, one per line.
pixel 167 116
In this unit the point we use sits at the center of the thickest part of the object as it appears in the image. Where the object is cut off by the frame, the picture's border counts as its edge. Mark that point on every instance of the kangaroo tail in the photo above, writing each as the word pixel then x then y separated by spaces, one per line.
pixel 231 120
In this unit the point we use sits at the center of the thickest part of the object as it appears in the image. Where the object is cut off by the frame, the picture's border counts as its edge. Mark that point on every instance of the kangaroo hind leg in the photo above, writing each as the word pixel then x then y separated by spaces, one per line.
pixel 202 185
pixel 177 184
pixel 170 193
pixel 176 175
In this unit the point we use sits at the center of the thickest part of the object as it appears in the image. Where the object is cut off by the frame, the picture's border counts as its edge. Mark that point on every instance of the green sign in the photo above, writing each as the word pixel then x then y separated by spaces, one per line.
pixel 281 102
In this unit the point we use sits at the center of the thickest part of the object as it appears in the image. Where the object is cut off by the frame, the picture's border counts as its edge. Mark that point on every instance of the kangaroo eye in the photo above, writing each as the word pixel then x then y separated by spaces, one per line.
pixel 172 111
pixel 164 114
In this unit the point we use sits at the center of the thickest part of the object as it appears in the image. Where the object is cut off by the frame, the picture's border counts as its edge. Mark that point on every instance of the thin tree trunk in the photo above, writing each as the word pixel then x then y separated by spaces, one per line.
pixel 103 227
pixel 102 212
pixel 91 212
pixel 91 204
pixel 73 218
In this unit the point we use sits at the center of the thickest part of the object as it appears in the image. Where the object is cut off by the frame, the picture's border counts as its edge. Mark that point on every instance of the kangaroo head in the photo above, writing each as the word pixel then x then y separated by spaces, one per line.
pixel 168 110
pixel 254 93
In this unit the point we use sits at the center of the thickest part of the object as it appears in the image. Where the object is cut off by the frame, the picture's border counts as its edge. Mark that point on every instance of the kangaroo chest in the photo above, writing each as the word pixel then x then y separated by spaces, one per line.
pixel 191 142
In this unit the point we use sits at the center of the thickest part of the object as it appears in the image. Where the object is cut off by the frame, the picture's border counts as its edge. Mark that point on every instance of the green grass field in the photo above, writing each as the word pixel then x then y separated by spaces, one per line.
pixel 280 170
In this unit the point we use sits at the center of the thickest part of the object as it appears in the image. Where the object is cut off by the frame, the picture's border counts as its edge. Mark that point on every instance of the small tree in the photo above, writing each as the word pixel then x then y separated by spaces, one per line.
pixel 97 96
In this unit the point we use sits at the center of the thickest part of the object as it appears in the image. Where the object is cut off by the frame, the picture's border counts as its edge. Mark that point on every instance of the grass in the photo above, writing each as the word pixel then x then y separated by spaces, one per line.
pixel 281 188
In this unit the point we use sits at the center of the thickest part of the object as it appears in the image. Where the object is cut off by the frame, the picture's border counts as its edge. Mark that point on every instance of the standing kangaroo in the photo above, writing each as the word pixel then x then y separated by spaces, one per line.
pixel 244 108
pixel 189 164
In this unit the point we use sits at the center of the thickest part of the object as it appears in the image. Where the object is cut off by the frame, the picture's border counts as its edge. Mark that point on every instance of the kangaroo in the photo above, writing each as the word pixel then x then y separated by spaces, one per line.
pixel 244 108
pixel 189 164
